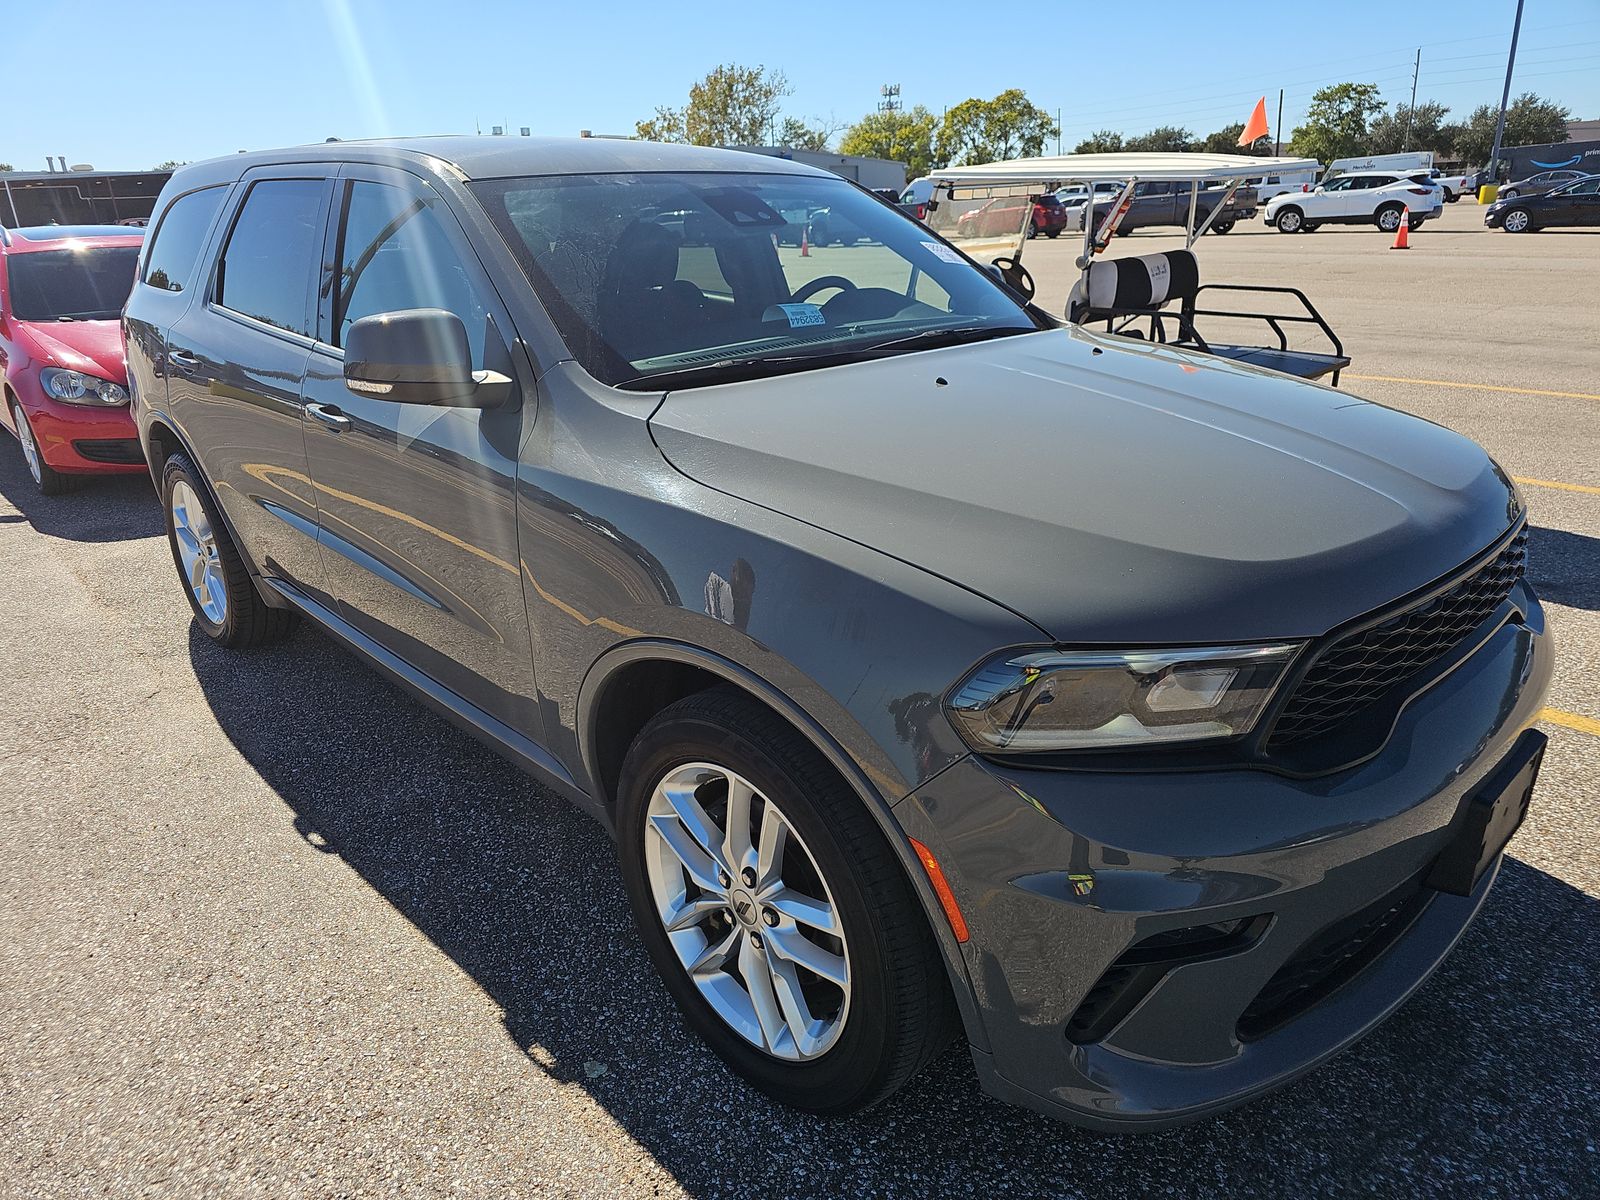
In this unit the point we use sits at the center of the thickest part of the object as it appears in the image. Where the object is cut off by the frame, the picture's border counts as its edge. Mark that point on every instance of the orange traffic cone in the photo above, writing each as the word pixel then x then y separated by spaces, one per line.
pixel 1402 236
pixel 805 242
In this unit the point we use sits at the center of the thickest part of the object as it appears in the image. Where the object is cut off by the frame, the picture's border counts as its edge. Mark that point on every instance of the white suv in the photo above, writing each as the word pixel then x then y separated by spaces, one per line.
pixel 1359 198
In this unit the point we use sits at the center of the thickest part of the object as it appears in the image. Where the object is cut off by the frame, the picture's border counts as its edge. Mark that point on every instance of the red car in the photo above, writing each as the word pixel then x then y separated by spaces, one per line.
pixel 62 288
pixel 1002 215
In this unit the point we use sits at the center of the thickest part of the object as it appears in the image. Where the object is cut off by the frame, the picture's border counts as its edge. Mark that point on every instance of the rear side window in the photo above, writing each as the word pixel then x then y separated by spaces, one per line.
pixel 266 266
pixel 178 238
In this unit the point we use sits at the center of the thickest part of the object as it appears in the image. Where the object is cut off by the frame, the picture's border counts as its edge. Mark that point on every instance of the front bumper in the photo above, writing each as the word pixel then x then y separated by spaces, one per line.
pixel 84 440
pixel 1061 874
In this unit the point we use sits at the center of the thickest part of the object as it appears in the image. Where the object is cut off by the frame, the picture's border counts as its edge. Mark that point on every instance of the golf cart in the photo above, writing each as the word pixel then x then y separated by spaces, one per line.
pixel 1132 294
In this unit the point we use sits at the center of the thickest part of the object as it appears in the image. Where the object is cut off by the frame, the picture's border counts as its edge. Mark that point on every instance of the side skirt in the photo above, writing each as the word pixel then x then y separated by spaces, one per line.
pixel 492 732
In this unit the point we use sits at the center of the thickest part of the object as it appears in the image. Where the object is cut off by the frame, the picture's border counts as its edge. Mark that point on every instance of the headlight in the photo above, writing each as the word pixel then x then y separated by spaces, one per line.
pixel 1034 701
pixel 74 387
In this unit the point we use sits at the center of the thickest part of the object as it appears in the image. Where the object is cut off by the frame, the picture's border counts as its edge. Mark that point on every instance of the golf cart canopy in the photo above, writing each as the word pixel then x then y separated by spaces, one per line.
pixel 1047 173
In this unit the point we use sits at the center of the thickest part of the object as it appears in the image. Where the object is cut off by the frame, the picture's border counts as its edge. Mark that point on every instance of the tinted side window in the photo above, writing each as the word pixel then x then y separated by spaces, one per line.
pixel 183 228
pixel 267 263
pixel 395 254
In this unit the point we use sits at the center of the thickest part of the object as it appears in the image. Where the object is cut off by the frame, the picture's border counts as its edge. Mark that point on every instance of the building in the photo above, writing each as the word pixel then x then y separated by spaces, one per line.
pixel 874 173
pixel 78 197
pixel 1583 131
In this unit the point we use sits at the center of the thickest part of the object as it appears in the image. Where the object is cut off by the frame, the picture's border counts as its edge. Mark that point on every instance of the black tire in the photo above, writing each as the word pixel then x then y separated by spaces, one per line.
pixel 1221 226
pixel 901 1013
pixel 1308 227
pixel 1451 197
pixel 1508 194
pixel 1387 218
pixel 1415 223
pixel 49 481
pixel 1289 216
pixel 1052 233
pixel 247 619
pixel 1033 229
pixel 1510 225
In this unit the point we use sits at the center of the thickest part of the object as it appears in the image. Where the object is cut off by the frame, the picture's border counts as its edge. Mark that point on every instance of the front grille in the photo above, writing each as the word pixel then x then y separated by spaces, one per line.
pixel 1365 666
pixel 1332 958
pixel 110 450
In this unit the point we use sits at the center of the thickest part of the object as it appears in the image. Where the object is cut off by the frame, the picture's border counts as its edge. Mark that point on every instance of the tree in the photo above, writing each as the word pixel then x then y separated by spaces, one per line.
pixel 1405 128
pixel 1163 139
pixel 1530 121
pixel 1337 121
pixel 171 164
pixel 797 135
pixel 1009 126
pixel 1101 141
pixel 6 168
pixel 731 106
pixel 905 135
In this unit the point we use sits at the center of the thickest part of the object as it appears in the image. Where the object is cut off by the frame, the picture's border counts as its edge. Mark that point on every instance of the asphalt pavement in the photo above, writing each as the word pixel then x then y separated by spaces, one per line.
pixel 270 928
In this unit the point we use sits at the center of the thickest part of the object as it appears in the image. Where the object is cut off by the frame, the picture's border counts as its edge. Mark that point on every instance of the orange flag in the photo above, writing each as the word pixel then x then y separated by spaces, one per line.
pixel 1256 126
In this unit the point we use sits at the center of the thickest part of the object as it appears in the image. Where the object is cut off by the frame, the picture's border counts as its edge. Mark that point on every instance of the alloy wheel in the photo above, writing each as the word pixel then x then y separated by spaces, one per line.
pixel 747 911
pixel 1289 222
pixel 198 552
pixel 1389 220
pixel 30 448
pixel 1516 220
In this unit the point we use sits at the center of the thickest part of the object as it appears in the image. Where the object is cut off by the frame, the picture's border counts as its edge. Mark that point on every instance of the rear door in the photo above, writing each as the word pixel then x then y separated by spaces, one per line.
pixel 234 361
pixel 418 502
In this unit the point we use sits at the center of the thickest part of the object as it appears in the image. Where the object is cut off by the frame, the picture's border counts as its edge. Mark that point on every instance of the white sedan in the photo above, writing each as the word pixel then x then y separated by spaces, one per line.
pixel 1381 198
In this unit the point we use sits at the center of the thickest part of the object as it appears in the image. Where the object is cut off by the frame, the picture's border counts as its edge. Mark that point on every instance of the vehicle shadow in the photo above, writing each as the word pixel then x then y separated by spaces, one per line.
pixel 522 893
pixel 110 508
pixel 1564 567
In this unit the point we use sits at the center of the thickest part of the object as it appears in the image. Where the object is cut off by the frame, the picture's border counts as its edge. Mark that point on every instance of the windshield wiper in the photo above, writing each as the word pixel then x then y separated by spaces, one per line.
pixel 733 370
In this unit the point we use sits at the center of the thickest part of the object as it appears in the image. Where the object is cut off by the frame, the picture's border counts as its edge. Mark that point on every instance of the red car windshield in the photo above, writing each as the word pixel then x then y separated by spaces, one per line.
pixel 89 283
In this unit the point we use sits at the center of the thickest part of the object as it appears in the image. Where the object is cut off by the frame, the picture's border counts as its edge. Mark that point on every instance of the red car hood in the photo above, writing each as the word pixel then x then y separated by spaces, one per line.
pixel 93 347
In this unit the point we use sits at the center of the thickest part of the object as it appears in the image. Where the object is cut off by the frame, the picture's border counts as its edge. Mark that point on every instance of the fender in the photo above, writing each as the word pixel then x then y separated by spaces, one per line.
pixel 654 649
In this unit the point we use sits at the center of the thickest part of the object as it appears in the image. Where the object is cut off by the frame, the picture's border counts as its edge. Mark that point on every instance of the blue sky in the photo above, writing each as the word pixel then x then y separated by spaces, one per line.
pixel 124 86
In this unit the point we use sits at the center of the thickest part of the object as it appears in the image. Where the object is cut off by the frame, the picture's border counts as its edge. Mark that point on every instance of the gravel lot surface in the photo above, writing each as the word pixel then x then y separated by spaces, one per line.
pixel 269 928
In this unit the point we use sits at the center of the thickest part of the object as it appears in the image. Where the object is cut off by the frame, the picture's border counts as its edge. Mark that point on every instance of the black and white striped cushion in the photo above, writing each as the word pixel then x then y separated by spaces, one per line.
pixel 1145 281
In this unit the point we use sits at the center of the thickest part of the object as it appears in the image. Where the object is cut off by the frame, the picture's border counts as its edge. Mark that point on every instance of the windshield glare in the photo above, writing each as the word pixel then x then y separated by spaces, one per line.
pixel 655 273
pixel 88 283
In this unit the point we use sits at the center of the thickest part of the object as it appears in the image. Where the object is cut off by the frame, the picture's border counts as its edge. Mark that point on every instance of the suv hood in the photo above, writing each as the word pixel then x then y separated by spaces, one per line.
pixel 93 347
pixel 1105 490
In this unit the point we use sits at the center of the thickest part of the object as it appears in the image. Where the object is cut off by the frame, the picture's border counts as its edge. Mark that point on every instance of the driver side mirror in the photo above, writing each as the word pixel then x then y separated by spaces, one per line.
pixel 418 356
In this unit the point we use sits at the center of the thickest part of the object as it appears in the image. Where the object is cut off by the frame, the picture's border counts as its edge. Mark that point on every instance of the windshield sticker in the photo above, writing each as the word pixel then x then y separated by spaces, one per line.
pixel 948 254
pixel 801 315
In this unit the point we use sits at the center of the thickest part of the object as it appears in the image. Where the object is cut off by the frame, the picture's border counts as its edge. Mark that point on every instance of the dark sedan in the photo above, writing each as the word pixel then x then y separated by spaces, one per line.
pixel 1573 204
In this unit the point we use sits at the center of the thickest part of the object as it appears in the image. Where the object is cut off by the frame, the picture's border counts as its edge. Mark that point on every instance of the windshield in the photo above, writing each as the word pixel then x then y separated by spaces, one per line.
pixel 85 284
pixel 713 277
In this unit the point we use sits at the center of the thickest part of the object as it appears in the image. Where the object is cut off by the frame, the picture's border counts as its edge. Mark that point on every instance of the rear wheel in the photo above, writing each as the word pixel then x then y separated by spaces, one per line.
pixel 1290 219
pixel 1033 229
pixel 1518 220
pixel 224 598
pixel 50 481
pixel 1221 227
pixel 1388 217
pixel 1052 233
pixel 1415 223
pixel 780 921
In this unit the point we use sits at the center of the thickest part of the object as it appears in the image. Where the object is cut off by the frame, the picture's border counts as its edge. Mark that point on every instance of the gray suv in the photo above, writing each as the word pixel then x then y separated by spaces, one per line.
pixel 1153 723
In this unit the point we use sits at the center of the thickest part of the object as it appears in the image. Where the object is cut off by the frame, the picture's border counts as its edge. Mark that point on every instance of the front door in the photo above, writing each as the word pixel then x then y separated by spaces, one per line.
pixel 418 502
pixel 1577 205
pixel 234 362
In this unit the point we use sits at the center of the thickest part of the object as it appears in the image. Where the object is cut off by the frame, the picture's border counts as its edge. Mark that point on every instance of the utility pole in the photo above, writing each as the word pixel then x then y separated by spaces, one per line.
pixel 1277 145
pixel 1493 165
pixel 1058 133
pixel 1405 142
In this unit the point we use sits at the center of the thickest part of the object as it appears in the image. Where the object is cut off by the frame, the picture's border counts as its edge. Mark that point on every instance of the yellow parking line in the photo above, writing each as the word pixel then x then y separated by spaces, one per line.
pixel 1475 387
pixel 1571 720
pixel 1563 487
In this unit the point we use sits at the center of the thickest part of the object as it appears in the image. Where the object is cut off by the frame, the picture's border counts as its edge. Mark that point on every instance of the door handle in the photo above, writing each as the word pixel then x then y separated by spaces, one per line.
pixel 185 362
pixel 328 416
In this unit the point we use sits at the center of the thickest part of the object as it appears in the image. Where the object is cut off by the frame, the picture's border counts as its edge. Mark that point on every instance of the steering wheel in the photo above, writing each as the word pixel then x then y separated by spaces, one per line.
pixel 806 290
pixel 1016 276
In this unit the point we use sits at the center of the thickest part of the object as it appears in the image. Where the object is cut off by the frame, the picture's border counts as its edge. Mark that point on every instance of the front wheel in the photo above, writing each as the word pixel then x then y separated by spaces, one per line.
pixel 1388 218
pixel 1290 220
pixel 1509 194
pixel 781 923
pixel 1308 227
pixel 49 481
pixel 1221 227
pixel 1518 220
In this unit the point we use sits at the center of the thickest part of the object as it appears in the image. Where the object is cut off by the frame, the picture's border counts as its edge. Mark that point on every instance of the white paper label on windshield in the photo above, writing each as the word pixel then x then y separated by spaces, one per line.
pixel 801 315
pixel 948 253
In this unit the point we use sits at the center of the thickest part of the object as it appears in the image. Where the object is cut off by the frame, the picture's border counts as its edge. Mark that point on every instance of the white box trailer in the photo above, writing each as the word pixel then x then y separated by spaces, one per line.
pixel 1416 160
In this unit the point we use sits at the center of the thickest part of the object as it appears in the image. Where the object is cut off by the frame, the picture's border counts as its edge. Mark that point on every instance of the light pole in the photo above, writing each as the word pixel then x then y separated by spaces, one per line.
pixel 1493 164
